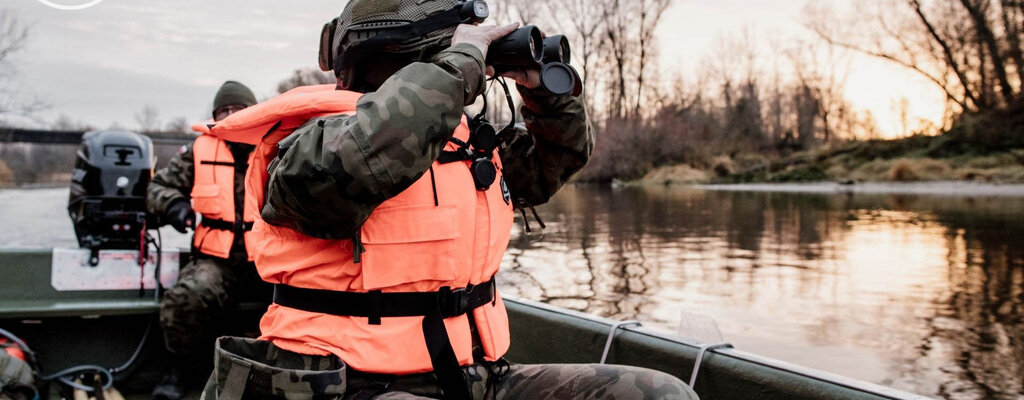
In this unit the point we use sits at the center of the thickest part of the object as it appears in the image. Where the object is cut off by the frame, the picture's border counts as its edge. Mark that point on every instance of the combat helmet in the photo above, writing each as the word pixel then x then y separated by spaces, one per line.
pixel 390 34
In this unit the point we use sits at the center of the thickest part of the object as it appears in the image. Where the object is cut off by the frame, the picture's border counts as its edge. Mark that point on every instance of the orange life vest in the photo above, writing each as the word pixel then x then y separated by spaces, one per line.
pixel 213 196
pixel 411 245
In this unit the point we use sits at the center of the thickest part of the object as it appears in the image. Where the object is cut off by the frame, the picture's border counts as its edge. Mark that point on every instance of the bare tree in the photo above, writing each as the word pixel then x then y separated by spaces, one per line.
pixel 178 125
pixel 524 11
pixel 735 58
pixel 305 77
pixel 891 36
pixel 617 23
pixel 1012 17
pixel 650 14
pixel 584 19
pixel 821 71
pixel 979 10
pixel 14 35
pixel 148 118
pixel 65 123
pixel 968 48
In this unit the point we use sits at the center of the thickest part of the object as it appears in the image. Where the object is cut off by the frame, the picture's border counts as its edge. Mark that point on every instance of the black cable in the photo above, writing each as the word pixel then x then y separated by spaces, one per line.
pixel 62 377
pixel 138 349
pixel 158 244
pixel 506 133
pixel 483 110
pixel 511 106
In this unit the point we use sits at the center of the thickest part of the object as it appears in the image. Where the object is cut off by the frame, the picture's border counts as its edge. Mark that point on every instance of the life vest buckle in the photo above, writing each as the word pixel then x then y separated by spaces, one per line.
pixel 453 303
pixel 242 226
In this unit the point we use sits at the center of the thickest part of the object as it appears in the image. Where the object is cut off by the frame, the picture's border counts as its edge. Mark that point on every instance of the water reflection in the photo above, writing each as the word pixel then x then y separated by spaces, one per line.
pixel 921 293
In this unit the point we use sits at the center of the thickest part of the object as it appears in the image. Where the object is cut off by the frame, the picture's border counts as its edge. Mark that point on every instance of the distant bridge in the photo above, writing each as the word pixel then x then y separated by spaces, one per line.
pixel 11 135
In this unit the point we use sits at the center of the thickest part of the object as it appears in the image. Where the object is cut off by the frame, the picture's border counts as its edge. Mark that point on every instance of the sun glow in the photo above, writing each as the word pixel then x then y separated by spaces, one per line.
pixel 899 101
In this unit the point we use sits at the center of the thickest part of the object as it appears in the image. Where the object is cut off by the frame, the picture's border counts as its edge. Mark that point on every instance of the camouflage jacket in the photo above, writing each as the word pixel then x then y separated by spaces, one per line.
pixel 174 183
pixel 334 171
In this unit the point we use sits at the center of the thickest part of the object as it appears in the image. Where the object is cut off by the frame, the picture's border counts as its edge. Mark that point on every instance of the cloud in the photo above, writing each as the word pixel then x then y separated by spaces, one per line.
pixel 103 64
pixel 111 95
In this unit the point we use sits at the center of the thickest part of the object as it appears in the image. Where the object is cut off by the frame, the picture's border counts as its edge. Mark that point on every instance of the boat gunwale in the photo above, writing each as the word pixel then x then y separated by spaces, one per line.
pixel 807 372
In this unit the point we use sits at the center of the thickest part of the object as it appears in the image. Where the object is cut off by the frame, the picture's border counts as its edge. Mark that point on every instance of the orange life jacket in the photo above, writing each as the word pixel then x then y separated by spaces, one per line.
pixel 213 196
pixel 411 245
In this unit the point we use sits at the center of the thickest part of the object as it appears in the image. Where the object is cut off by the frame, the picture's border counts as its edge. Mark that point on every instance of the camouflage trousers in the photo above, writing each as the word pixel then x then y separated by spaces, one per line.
pixel 253 369
pixel 16 380
pixel 207 288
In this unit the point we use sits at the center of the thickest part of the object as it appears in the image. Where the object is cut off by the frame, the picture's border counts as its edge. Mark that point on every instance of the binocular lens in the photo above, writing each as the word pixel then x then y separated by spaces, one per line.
pixel 557 78
pixel 484 138
pixel 556 49
pixel 521 48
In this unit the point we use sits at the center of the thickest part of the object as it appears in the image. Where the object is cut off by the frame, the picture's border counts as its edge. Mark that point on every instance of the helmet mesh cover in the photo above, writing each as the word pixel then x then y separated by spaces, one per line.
pixel 369 13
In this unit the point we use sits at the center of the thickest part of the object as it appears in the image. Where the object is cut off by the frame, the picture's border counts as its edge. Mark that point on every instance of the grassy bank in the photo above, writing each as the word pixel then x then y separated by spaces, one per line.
pixel 905 160
pixel 981 148
pixel 853 162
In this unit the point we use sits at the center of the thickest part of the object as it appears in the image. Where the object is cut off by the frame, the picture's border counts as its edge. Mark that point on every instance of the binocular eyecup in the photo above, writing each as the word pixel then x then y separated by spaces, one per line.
pixel 525 48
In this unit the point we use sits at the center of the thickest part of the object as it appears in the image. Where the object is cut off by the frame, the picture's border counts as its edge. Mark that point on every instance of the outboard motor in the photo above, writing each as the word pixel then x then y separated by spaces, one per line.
pixel 108 190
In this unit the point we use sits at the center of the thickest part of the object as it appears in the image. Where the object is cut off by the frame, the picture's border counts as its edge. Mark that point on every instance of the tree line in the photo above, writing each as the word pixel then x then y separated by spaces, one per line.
pixel 757 96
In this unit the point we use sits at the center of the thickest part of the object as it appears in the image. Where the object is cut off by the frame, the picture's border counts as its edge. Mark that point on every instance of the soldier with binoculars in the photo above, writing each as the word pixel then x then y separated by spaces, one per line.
pixel 385 212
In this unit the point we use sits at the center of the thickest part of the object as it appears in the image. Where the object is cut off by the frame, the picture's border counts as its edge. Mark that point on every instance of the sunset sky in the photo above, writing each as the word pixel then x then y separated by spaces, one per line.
pixel 101 65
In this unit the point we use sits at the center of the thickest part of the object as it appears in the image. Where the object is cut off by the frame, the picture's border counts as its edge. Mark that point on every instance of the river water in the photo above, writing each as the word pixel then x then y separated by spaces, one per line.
pixel 920 292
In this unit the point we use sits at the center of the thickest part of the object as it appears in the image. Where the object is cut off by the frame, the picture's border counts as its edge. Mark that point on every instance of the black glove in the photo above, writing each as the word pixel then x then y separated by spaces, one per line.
pixel 181 216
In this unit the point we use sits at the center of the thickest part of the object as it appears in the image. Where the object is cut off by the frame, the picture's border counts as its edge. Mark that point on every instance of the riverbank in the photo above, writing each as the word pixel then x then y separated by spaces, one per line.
pixel 913 159
pixel 981 147
pixel 943 188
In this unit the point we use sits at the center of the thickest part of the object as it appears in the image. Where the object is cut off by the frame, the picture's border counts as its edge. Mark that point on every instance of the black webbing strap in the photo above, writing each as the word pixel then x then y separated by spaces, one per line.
pixel 223 225
pixel 374 305
pixel 238 165
pixel 443 359
pixel 464 153
pixel 375 388
pixel 453 156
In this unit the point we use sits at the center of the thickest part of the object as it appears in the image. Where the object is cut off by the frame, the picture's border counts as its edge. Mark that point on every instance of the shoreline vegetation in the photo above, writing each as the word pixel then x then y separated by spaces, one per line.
pixel 986 148
pixel 840 166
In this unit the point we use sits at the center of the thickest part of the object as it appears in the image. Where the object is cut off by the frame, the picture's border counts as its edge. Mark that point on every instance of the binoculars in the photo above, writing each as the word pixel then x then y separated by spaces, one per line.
pixel 525 48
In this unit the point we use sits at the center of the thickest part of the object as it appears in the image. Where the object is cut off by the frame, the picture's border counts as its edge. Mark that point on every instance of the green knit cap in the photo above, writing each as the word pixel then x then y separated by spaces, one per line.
pixel 232 92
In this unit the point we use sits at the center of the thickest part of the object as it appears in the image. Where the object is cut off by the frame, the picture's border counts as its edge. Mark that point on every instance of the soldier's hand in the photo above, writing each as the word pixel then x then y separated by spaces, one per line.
pixel 481 36
pixel 181 216
pixel 529 78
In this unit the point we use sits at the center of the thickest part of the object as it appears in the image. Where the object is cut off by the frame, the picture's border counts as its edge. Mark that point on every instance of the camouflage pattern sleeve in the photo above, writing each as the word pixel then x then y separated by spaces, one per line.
pixel 334 171
pixel 556 144
pixel 172 183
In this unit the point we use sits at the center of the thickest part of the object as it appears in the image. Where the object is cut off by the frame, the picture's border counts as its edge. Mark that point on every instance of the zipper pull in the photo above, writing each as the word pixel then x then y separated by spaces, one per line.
pixel 526 221
pixel 522 206
pixel 537 217
pixel 357 248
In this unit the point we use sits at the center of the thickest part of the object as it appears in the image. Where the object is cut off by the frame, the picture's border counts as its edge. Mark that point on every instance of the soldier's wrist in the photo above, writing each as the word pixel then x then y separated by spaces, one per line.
pixel 469 60
pixel 176 205
pixel 540 101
